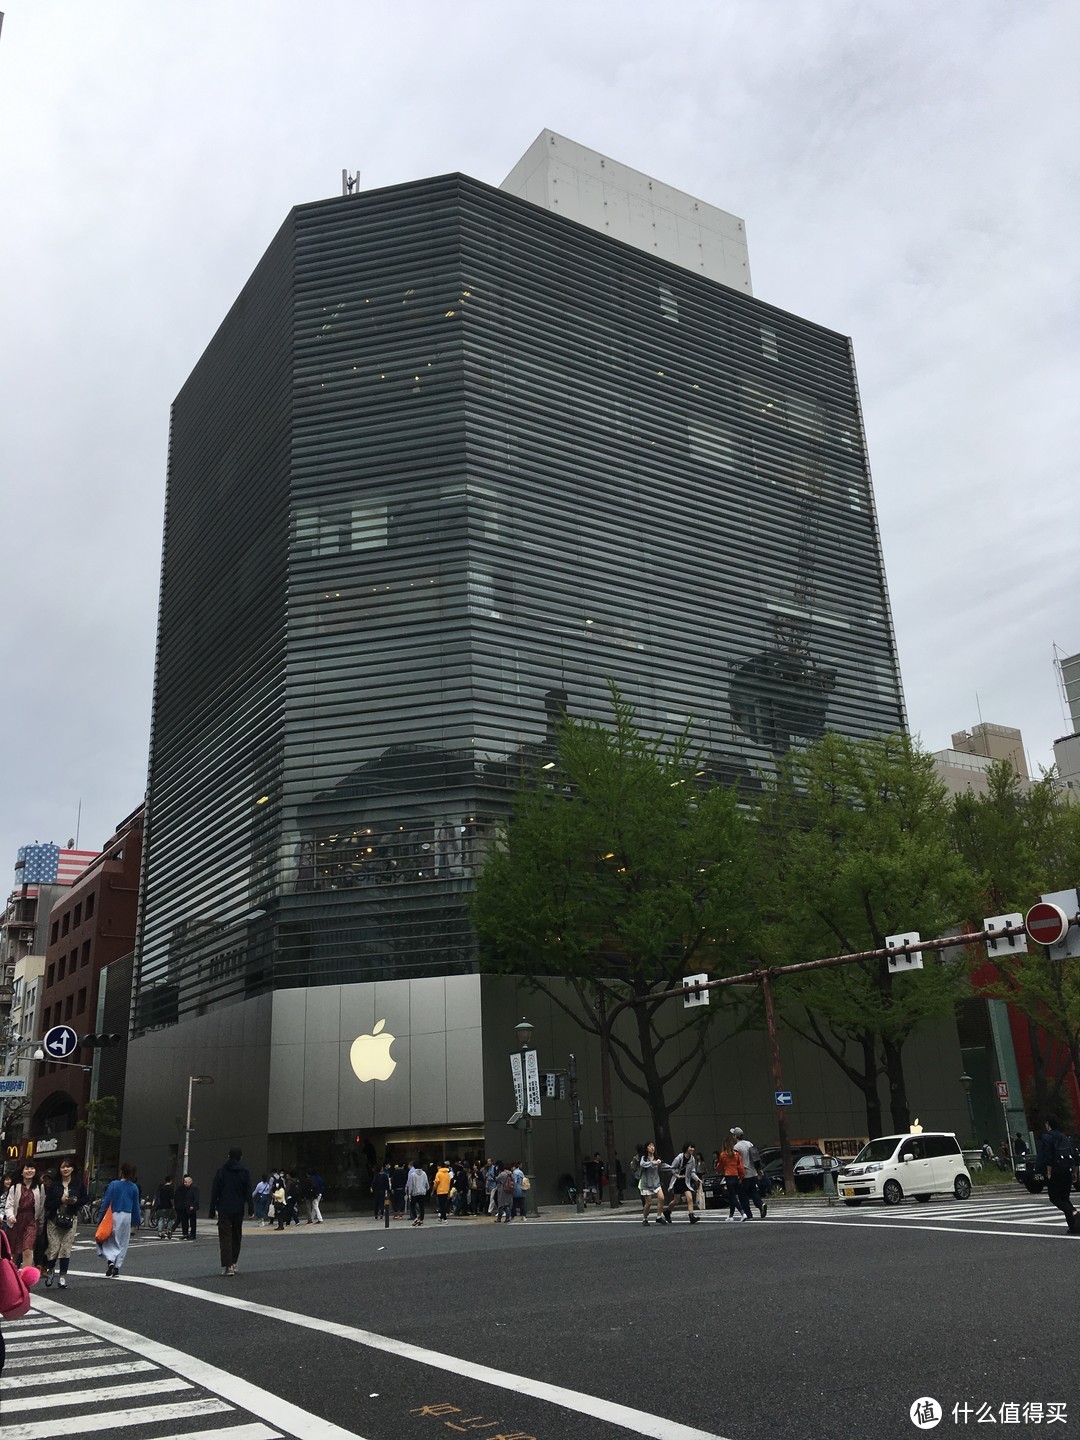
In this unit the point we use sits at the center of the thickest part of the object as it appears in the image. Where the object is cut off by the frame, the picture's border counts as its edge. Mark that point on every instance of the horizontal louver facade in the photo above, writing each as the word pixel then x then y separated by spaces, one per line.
pixel 451 465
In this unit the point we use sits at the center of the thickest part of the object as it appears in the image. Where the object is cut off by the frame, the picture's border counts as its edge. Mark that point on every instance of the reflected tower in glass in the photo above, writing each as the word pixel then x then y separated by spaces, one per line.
pixel 452 463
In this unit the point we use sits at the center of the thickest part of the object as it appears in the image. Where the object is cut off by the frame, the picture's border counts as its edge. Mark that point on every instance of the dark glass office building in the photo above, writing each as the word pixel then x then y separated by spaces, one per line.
pixel 451 464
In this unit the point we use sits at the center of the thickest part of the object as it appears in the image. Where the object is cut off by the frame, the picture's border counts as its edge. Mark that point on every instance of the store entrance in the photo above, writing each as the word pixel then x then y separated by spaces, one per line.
pixel 347 1159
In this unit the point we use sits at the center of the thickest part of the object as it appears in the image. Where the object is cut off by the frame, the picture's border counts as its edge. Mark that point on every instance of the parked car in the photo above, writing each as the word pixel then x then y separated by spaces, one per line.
pixel 896 1166
pixel 1026 1175
pixel 1034 1181
pixel 810 1170
pixel 773 1166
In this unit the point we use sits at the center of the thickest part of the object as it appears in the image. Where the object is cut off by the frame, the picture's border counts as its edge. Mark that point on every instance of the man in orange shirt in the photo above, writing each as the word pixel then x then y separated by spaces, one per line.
pixel 441 1186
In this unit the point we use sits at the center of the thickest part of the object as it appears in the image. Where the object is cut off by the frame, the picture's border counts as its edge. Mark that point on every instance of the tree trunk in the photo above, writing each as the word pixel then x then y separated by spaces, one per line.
pixel 658 1106
pixel 869 1088
pixel 604 1025
pixel 894 1071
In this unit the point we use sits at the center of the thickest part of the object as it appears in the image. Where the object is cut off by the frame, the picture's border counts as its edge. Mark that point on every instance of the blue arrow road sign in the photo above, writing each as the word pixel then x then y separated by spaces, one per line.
pixel 60 1042
pixel 782 1097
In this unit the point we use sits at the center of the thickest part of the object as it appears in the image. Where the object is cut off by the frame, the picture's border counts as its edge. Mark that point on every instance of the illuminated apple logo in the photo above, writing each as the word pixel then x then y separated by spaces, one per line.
pixel 370 1054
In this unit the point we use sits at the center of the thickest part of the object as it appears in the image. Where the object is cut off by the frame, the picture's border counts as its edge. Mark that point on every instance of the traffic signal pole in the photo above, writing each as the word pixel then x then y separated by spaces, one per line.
pixel 765 975
pixel 778 1083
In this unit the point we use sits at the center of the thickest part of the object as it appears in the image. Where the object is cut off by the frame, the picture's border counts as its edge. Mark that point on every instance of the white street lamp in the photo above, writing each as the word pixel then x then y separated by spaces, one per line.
pixel 193 1080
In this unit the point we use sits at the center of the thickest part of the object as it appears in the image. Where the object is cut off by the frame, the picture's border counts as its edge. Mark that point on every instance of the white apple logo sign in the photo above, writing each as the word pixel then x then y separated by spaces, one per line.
pixel 370 1055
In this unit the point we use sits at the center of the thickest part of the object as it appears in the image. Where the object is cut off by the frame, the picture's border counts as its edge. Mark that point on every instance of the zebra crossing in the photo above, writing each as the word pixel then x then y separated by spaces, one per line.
pixel 1024 1213
pixel 67 1373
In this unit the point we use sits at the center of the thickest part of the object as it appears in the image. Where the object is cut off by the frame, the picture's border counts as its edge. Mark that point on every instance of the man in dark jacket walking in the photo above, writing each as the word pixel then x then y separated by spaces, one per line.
pixel 1055 1159
pixel 186 1205
pixel 230 1197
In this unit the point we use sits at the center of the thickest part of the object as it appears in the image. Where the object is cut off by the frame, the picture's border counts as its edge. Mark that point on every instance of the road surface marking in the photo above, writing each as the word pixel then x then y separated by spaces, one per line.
pixel 638 1422
pixel 48 1356
pixel 104 1420
pixel 54 1334
pixel 840 1223
pixel 102 1395
pixel 287 1418
pixel 85 1372
pixel 254 1431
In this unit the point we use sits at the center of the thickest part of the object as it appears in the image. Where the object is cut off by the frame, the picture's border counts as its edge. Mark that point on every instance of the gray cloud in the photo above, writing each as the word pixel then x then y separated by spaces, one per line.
pixel 907 174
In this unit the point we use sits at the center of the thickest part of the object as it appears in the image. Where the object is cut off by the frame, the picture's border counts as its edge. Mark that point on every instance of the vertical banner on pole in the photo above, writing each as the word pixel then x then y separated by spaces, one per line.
pixel 519 1082
pixel 532 1083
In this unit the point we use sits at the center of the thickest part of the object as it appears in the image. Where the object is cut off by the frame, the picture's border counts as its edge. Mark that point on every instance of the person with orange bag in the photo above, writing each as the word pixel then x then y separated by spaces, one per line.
pixel 118 1214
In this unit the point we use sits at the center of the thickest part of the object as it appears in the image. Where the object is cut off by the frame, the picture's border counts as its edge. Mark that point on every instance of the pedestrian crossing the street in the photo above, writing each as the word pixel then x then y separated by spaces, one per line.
pixel 66 1373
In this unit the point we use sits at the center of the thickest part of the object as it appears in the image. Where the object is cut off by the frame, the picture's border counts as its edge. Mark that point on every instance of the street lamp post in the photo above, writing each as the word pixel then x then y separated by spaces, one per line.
pixel 193 1080
pixel 524 1032
pixel 965 1081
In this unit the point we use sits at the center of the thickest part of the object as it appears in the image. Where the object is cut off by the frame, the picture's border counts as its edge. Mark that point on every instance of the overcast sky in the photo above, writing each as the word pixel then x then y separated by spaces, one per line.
pixel 908 176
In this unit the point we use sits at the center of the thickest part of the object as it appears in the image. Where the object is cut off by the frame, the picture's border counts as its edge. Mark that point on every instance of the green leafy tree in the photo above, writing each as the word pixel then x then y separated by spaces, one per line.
pixel 855 846
pixel 101 1123
pixel 1023 841
pixel 619 872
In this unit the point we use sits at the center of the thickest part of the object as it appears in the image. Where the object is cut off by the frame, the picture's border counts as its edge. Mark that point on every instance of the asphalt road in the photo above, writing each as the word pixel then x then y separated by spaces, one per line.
pixel 817 1322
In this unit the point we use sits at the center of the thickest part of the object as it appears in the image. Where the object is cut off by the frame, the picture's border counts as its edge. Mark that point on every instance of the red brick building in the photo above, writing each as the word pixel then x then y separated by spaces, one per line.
pixel 92 926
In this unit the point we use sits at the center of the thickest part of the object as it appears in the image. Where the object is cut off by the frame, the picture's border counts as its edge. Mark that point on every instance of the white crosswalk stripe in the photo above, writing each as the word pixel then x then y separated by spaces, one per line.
pixel 103 1421
pixel 83 1372
pixel 256 1430
pixel 42 1400
pixel 42 1359
pixel 41 1349
pixel 1020 1213
pixel 68 1373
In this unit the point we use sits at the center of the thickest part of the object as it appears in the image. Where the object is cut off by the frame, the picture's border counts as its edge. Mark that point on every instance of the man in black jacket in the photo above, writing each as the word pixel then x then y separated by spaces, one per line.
pixel 1056 1160
pixel 230 1196
pixel 186 1205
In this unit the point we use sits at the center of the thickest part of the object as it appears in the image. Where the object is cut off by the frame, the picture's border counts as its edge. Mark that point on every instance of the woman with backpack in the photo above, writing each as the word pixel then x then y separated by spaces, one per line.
pixel 504 1193
pixel 64 1198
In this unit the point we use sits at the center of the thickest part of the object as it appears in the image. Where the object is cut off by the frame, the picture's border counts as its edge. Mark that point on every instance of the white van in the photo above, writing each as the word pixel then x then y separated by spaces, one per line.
pixel 930 1163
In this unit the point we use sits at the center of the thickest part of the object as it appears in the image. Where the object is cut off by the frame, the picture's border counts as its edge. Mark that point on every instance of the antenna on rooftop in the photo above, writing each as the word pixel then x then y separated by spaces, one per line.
pixel 350 184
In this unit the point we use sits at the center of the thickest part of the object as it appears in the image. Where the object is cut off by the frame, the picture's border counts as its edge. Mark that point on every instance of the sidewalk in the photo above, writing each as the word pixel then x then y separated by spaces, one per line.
pixel 629 1209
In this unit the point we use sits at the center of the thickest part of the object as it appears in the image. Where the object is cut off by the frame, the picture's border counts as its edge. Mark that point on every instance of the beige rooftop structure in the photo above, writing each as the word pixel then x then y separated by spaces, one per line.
pixel 994 742
pixel 569 179
pixel 1067 749
pixel 974 751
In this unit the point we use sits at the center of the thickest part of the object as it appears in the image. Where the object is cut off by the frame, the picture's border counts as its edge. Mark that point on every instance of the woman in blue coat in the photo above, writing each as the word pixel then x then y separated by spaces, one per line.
pixel 123 1196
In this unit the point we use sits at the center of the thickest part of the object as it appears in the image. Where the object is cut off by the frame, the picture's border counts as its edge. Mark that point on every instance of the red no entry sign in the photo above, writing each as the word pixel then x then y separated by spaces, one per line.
pixel 1046 923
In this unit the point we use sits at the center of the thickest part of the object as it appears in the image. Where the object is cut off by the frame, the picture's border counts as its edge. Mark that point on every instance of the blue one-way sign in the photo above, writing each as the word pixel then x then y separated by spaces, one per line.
pixel 60 1042
pixel 782 1097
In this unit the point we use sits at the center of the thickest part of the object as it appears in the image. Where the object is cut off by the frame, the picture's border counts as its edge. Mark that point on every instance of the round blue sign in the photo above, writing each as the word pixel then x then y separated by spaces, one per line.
pixel 60 1042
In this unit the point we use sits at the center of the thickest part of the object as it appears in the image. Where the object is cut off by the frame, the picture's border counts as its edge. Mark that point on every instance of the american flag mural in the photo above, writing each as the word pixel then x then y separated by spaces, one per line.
pixel 50 865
